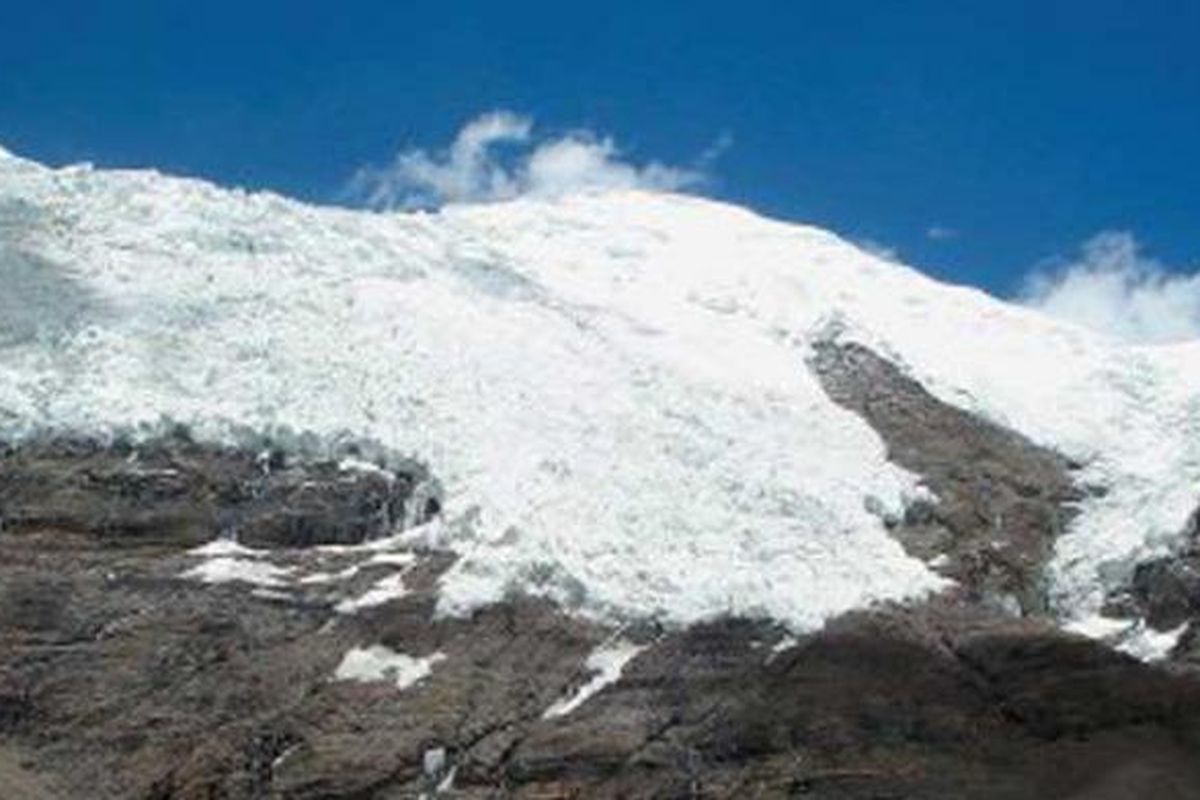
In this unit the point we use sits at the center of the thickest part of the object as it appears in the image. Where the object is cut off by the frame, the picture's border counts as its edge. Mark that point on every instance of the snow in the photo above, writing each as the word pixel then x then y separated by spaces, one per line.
pixel 433 762
pixel 940 561
pixel 1100 627
pixel 383 591
pixel 607 662
pixel 379 663
pixel 358 465
pixel 226 561
pixel 386 589
pixel 224 547
pixel 780 647
pixel 418 535
pixel 393 559
pixel 1148 644
pixel 1131 636
pixel 271 594
pixel 238 570
pixel 784 644
pixel 332 577
pixel 610 387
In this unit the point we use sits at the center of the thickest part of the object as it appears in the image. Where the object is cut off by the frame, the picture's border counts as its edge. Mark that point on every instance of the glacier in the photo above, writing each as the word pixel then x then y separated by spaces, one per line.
pixel 611 386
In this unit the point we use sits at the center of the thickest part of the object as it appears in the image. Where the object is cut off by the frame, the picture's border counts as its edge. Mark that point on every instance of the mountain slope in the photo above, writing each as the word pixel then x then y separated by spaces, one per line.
pixel 612 389
pixel 134 664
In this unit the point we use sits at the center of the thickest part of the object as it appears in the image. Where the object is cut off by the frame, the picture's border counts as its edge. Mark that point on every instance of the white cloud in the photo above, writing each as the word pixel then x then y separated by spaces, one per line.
pixel 1113 288
pixel 940 233
pixel 476 168
pixel 468 169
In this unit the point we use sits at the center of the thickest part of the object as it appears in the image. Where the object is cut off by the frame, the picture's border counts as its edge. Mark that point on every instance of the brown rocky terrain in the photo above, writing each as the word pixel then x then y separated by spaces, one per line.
pixel 1001 500
pixel 124 675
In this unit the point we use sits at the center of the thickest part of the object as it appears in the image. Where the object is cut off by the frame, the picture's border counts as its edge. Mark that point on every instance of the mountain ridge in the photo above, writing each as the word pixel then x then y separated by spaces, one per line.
pixel 531 351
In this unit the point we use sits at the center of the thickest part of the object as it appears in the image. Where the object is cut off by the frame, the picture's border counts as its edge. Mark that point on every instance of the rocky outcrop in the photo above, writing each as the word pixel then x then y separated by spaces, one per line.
pixel 174 491
pixel 123 677
pixel 1164 592
pixel 998 500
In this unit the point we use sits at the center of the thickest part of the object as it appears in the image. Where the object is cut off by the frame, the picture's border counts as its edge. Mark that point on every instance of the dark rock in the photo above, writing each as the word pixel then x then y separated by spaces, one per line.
pixel 175 492
pixel 121 679
pixel 1164 593
pixel 1001 499
pixel 1167 591
pixel 16 706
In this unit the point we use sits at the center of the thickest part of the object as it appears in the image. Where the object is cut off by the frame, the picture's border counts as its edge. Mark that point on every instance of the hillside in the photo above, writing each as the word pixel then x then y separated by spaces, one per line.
pixel 604 493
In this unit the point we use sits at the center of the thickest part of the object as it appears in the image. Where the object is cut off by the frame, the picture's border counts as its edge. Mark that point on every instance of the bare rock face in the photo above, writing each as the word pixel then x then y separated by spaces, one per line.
pixel 1165 593
pixel 1001 499
pixel 128 681
pixel 174 491
pixel 1169 590
pixel 128 670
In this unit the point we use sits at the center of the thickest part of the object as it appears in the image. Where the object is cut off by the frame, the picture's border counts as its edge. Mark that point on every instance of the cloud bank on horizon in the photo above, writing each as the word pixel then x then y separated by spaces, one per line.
pixel 1112 287
pixel 497 156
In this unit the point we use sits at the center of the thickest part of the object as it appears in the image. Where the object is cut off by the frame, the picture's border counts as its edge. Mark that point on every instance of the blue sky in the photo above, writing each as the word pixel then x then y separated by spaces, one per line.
pixel 1016 130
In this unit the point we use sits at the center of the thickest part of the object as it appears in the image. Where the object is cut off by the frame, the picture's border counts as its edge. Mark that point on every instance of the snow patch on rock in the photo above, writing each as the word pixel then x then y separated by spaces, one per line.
pixel 607 663
pixel 379 663
pixel 239 570
pixel 1148 644
pixel 225 547
pixel 1130 636
pixel 383 591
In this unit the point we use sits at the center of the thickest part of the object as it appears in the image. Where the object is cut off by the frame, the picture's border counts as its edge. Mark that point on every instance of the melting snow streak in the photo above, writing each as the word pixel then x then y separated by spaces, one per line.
pixel 607 662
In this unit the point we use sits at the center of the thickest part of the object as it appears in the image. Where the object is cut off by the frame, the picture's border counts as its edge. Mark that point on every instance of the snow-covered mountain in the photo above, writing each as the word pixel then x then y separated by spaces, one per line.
pixel 612 388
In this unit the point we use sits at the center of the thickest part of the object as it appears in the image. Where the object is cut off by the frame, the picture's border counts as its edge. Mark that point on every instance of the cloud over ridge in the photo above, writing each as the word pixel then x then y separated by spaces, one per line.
pixel 496 156
pixel 1112 287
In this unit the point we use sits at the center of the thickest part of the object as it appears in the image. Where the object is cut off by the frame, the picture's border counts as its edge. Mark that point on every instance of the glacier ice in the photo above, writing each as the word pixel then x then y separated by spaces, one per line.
pixel 610 386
